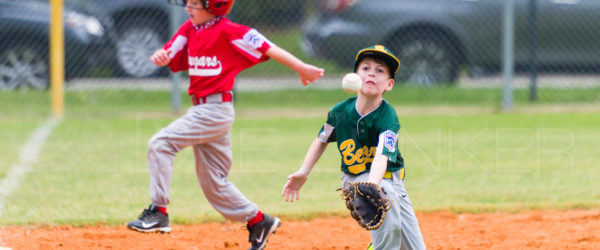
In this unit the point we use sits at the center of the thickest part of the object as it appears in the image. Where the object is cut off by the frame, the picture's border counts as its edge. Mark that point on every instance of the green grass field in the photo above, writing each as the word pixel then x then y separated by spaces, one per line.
pixel 461 154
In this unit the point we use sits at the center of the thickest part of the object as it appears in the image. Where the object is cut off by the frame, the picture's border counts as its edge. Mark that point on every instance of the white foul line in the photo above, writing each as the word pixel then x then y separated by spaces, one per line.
pixel 28 156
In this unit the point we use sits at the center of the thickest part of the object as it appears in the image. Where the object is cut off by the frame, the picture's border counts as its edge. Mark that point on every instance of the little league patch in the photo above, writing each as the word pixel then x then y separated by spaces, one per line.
pixel 390 140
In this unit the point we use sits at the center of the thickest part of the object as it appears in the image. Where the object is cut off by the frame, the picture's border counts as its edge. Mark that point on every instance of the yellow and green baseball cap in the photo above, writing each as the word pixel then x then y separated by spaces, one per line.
pixel 379 52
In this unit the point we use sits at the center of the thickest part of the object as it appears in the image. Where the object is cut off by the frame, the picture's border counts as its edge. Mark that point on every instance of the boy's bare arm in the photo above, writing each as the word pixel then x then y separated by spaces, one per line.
pixel 297 179
pixel 308 73
pixel 378 167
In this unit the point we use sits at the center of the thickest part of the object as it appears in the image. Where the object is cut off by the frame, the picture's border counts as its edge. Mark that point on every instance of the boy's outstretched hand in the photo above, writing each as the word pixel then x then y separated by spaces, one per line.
pixel 293 185
pixel 310 73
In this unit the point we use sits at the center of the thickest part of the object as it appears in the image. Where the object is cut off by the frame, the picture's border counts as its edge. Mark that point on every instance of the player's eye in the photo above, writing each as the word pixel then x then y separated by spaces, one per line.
pixel 182 3
pixel 188 4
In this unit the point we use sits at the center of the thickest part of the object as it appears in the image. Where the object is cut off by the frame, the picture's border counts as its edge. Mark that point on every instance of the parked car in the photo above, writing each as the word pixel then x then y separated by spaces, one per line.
pixel 136 28
pixel 436 39
pixel 139 27
pixel 269 14
pixel 24 43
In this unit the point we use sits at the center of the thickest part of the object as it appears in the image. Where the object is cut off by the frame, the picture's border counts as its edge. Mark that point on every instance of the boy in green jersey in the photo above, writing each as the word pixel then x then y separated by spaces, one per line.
pixel 366 131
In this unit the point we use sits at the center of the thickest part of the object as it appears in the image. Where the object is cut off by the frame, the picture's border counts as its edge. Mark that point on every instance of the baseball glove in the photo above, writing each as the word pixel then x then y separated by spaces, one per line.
pixel 368 203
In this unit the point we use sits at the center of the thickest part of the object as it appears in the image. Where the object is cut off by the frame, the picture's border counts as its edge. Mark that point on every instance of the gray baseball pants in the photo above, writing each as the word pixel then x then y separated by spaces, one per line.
pixel 400 229
pixel 205 127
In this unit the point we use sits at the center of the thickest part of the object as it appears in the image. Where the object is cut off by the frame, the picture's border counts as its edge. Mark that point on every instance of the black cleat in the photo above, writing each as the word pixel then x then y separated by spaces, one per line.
pixel 260 231
pixel 151 221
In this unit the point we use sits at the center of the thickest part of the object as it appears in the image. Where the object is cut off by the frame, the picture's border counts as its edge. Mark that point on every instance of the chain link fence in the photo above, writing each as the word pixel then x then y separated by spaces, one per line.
pixel 449 50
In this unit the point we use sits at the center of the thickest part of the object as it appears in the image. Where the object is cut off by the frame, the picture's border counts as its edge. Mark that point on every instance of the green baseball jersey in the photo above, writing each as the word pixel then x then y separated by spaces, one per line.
pixel 359 138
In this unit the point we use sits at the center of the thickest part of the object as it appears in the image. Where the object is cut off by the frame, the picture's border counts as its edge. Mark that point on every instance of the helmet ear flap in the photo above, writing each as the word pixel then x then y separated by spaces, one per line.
pixel 218 7
pixel 215 7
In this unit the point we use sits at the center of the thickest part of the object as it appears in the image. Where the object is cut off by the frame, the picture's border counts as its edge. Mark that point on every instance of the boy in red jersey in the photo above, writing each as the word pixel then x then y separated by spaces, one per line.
pixel 213 50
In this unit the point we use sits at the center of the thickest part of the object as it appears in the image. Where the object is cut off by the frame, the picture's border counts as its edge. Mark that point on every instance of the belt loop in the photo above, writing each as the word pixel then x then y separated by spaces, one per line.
pixel 227 96
pixel 388 175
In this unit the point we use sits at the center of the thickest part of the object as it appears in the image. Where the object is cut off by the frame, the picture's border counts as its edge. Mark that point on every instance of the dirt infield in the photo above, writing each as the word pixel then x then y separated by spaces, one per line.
pixel 576 229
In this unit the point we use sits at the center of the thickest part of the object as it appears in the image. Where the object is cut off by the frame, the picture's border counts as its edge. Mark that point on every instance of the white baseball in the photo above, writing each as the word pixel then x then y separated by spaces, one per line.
pixel 351 83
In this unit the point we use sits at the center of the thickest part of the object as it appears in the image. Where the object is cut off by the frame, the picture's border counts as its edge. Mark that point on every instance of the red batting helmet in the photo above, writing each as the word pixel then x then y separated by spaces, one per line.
pixel 218 7
pixel 215 7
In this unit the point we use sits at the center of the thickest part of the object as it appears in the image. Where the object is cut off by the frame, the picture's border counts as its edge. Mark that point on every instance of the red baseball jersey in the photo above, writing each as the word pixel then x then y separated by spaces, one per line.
pixel 215 53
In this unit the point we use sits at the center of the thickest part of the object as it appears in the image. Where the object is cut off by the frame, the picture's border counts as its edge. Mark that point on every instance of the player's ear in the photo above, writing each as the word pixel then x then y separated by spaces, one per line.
pixel 390 84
